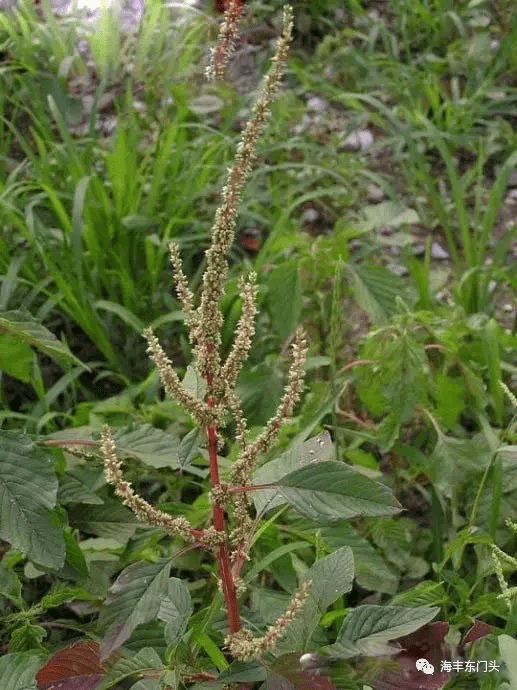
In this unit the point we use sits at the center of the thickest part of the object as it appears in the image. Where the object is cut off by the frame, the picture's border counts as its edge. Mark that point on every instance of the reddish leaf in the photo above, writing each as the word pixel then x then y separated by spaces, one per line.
pixel 77 667
pixel 250 239
pixel 476 632
pixel 426 643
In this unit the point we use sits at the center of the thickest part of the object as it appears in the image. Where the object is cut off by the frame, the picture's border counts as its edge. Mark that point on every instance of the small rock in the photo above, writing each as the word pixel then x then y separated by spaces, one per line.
pixel 359 140
pixel 310 215
pixel 398 270
pixel 437 252
pixel 316 104
pixel 374 193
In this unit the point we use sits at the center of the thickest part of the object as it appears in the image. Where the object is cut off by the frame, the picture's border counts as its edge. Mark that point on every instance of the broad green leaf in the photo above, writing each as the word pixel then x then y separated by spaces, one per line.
pixel 25 327
pixel 331 577
pixel 154 447
pixel 175 609
pixel 194 382
pixel 130 667
pixel 317 449
pixel 242 672
pixel 453 458
pixel 74 489
pixel 371 570
pixel 188 450
pixel 333 491
pixel 284 298
pixel 508 649
pixel 111 520
pixel 134 598
pixel 16 358
pixel 375 289
pixel 390 213
pixel 368 629
pixel 450 397
pixel 148 684
pixel 28 490
pixel 18 671
pixel 10 584
pixel 27 637
pixel 426 593
pixel 260 392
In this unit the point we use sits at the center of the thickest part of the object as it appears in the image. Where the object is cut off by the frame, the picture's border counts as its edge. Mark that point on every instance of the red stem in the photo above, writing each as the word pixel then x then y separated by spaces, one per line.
pixel 223 555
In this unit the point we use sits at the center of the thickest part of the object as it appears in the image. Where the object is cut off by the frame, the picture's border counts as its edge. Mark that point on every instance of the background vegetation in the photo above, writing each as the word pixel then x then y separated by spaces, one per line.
pixel 381 215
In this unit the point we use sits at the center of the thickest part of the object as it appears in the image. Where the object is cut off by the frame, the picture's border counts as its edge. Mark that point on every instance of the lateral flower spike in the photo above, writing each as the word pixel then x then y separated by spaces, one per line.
pixel 203 414
pixel 245 465
pixel 147 513
pixel 245 647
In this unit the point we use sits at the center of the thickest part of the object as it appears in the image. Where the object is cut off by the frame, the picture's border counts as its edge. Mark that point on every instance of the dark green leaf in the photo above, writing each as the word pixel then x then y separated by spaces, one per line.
pixel 333 491
pixel 368 629
pixel 134 598
pixel 284 298
pixel 24 326
pixel 175 609
pixel 28 490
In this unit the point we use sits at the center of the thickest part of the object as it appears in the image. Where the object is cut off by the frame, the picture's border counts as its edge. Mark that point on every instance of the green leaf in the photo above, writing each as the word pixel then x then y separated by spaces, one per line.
pixel 450 398
pixel 368 629
pixel 111 520
pixel 28 490
pixel 18 671
pixel 426 593
pixel 175 610
pixel 122 312
pixel 242 672
pixel 333 491
pixel 452 459
pixel 332 576
pixel 16 358
pixel 151 446
pixel 284 298
pixel 375 289
pixel 260 392
pixel 10 584
pixel 134 598
pixel 144 660
pixel 74 488
pixel 24 327
pixel 317 449
pixel 27 637
pixel 371 570
pixel 390 213
pixel 188 450
pixel 149 684
pixel 508 649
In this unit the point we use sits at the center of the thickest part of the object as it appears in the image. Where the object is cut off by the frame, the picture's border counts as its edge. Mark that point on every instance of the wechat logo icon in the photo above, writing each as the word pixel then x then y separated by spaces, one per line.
pixel 425 666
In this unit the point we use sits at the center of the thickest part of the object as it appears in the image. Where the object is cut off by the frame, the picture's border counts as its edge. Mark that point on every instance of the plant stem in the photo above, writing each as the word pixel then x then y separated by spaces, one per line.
pixel 223 556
